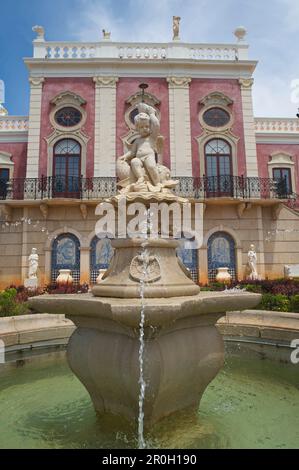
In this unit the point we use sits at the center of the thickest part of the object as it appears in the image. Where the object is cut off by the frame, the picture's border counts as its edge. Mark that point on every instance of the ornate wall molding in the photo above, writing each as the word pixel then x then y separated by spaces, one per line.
pixel 150 99
pixel 67 99
pixel 179 82
pixel 102 81
pixel 36 81
pixel 246 82
pixel 216 98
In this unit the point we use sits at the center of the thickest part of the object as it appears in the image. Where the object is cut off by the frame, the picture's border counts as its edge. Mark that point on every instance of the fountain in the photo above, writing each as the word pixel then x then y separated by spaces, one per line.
pixel 146 344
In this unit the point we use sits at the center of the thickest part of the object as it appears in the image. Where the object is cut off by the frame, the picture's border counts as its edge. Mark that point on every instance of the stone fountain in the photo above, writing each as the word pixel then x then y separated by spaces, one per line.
pixel 183 350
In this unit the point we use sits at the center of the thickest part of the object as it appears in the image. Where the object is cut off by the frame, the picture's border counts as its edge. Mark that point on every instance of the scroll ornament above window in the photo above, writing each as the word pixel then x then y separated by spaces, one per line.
pixel 215 114
pixel 68 113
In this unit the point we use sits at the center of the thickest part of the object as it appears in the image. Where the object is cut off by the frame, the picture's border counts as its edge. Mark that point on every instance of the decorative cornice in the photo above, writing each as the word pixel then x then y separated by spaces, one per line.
pixel 105 81
pixel 148 98
pixel 246 83
pixel 67 97
pixel 216 98
pixel 36 81
pixel 68 134
pixel 281 157
pixel 179 82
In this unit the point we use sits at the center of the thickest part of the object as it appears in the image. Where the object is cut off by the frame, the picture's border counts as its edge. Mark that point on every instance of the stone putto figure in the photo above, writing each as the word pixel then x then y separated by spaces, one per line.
pixel 33 264
pixel 251 264
pixel 137 169
pixel 176 27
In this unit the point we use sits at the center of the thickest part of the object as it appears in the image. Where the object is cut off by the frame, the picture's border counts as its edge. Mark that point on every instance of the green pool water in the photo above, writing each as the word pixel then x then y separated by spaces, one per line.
pixel 251 404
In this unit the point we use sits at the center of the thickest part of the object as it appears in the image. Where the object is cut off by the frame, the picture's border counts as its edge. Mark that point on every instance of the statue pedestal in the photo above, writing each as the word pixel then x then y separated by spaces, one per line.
pixel 166 277
pixel 31 283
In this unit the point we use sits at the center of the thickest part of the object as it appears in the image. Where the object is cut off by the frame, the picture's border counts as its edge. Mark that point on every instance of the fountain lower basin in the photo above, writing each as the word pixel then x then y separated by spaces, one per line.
pixel 183 349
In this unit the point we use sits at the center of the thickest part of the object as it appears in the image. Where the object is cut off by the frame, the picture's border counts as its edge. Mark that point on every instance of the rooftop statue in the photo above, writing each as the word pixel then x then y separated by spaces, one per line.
pixel 137 169
pixel 176 27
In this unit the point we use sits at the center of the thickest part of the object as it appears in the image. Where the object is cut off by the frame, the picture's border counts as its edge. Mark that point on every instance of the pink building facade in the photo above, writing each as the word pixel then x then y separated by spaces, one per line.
pixel 57 162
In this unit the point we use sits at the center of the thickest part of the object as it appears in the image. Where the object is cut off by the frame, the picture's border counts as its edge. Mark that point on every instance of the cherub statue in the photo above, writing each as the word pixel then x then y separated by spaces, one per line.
pixel 137 169
pixel 33 264
pixel 176 27
pixel 251 265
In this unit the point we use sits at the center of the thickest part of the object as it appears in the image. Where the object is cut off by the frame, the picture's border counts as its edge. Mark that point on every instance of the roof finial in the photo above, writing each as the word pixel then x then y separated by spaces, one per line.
pixel 240 33
pixel 3 111
pixel 106 34
pixel 39 30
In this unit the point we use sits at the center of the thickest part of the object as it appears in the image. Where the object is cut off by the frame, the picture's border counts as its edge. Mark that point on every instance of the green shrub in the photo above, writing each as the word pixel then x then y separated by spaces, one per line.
pixel 279 302
pixel 8 304
pixel 253 288
pixel 294 304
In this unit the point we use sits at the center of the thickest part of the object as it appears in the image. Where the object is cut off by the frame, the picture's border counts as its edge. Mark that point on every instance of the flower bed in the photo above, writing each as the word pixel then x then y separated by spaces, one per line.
pixel 13 300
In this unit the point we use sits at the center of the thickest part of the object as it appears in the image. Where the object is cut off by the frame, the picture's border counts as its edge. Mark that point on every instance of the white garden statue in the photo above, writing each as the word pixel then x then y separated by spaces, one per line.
pixel 251 264
pixel 33 264
pixel 32 282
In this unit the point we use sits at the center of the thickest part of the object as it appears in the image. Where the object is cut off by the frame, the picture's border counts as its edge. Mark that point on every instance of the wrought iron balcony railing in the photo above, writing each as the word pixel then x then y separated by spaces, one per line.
pixel 237 187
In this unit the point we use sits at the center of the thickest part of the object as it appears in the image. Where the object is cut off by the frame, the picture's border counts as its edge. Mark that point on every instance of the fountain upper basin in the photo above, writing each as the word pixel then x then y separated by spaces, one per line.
pixel 159 311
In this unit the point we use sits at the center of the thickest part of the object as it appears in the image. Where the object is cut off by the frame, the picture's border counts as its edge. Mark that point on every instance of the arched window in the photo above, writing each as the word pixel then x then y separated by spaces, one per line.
pixel 221 254
pixel 283 179
pixel 218 157
pixel 190 259
pixel 66 168
pixel 100 256
pixel 66 255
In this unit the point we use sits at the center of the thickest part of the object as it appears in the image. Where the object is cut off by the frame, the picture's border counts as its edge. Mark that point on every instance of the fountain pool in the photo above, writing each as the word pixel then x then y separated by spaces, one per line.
pixel 252 403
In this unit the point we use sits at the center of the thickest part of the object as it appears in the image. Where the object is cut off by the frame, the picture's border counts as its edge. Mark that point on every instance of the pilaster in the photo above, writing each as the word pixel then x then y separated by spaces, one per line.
pixel 105 126
pixel 180 128
pixel 36 85
pixel 249 127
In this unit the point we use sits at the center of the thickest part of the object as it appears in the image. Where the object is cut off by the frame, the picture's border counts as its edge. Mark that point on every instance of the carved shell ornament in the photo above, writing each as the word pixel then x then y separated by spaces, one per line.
pixel 145 267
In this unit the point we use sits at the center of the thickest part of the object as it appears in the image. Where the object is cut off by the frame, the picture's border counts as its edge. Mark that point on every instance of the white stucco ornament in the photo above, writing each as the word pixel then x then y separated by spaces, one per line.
pixel 39 30
pixel 106 34
pixel 3 110
pixel 33 264
pixel 32 282
pixel 251 264
pixel 240 33
pixel 176 28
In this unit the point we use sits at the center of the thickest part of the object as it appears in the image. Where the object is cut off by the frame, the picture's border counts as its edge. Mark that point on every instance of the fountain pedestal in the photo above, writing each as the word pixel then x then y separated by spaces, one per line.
pixel 183 349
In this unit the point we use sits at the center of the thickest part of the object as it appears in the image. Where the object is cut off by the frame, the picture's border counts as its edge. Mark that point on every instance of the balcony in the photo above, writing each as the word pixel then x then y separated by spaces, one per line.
pixel 229 187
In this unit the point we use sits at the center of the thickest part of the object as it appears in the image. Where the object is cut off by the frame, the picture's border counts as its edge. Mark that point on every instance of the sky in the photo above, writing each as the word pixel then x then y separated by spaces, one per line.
pixel 272 25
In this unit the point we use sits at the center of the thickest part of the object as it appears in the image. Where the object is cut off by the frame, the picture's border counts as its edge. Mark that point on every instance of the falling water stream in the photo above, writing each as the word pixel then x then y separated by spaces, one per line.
pixel 141 441
pixel 145 260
